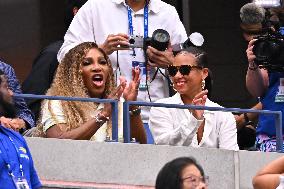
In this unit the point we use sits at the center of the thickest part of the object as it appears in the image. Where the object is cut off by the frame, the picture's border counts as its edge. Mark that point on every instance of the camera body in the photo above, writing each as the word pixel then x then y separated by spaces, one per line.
pixel 269 51
pixel 136 41
pixel 159 40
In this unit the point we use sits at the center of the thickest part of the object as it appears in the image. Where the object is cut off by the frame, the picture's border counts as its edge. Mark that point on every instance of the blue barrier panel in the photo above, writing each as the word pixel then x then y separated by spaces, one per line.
pixel 278 116
pixel 114 104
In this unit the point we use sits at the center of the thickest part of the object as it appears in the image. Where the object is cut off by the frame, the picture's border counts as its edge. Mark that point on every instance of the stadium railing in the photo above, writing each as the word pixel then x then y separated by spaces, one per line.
pixel 126 116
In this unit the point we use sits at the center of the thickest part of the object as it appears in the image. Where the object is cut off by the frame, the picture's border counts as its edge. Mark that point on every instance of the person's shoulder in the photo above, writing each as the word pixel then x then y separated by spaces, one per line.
pixel 4 65
pixel 94 7
pixel 8 70
pixel 52 103
pixel 10 132
pixel 163 5
pixel 100 2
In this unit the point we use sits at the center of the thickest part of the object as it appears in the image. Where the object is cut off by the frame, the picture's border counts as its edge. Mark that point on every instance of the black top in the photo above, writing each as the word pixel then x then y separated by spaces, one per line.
pixel 41 75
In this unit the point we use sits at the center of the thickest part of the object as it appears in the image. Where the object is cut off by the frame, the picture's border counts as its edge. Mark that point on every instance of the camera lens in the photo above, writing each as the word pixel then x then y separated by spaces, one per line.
pixel 132 41
pixel 266 50
pixel 160 39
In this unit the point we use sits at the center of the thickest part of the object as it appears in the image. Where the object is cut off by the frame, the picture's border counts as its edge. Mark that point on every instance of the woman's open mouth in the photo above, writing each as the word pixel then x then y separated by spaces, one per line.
pixel 98 80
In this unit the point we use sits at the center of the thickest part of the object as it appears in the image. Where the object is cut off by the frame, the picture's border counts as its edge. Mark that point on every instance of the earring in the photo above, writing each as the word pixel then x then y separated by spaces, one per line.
pixel 172 85
pixel 80 71
pixel 203 84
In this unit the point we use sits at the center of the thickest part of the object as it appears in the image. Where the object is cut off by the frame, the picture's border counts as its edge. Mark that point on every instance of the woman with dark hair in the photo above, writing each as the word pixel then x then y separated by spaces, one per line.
pixel 196 128
pixel 182 173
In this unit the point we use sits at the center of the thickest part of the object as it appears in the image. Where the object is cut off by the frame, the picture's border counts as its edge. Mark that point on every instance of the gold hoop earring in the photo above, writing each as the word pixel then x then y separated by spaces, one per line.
pixel 203 84
pixel 172 85
pixel 80 71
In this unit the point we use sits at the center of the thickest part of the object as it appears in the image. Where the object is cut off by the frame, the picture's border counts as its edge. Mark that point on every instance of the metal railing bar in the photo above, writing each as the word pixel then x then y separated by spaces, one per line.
pixel 83 99
pixel 180 106
pixel 278 115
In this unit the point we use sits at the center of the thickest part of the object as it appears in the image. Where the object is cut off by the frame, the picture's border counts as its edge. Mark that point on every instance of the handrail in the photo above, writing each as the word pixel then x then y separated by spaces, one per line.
pixel 278 116
pixel 114 104
pixel 126 116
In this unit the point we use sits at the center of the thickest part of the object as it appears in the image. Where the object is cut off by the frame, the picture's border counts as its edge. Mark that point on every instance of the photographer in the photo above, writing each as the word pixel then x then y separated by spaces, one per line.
pixel 112 23
pixel 265 84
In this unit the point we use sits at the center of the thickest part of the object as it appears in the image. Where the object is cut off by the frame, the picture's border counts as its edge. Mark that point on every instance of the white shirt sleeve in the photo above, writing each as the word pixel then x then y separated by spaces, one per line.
pixel 178 34
pixel 80 30
pixel 281 184
pixel 228 132
pixel 166 131
pixel 52 114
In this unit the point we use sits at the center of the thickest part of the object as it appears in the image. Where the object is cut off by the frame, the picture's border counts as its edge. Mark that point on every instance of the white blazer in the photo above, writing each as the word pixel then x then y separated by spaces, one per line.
pixel 172 126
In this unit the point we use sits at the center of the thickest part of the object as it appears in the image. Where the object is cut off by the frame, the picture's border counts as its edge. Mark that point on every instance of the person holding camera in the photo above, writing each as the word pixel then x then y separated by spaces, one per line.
pixel 266 84
pixel 114 24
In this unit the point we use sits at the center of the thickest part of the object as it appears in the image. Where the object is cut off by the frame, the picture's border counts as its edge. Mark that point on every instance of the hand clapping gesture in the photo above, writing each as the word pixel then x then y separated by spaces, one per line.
pixel 199 100
pixel 131 91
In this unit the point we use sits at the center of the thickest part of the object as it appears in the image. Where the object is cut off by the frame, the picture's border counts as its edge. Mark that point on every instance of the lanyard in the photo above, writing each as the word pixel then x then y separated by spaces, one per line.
pixel 130 23
pixel 6 158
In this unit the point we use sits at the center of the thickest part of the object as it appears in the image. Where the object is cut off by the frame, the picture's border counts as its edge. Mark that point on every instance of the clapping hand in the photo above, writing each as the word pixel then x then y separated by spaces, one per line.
pixel 116 94
pixel 199 100
pixel 131 91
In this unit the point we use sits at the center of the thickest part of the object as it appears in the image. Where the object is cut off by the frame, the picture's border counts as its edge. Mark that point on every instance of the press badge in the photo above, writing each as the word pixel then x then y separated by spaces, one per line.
pixel 143 71
pixel 21 183
pixel 280 94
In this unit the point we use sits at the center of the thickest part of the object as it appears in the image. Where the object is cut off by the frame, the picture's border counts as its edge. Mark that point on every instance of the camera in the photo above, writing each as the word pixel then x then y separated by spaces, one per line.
pixel 159 40
pixel 269 51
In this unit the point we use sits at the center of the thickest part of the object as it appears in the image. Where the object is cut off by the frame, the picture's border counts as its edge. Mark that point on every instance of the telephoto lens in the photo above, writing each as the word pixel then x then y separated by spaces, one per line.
pixel 159 40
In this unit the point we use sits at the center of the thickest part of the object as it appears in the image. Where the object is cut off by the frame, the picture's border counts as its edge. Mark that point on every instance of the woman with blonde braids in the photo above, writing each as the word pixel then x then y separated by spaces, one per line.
pixel 87 72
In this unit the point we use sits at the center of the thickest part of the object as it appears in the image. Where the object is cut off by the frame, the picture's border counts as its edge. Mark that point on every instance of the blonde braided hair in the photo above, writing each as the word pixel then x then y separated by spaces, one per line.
pixel 68 82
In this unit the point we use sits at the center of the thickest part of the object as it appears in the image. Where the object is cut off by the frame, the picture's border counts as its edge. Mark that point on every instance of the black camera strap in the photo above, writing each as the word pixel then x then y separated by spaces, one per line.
pixel 147 84
pixel 170 84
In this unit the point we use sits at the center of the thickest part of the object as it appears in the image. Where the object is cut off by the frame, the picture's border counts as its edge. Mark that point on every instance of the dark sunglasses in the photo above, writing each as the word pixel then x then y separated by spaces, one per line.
pixel 183 69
